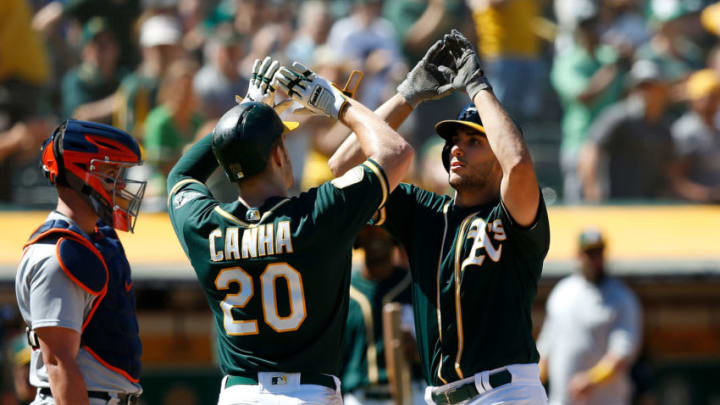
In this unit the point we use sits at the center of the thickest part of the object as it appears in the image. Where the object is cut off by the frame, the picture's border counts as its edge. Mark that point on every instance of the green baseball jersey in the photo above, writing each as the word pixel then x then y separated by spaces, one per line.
pixel 475 275
pixel 277 285
pixel 364 354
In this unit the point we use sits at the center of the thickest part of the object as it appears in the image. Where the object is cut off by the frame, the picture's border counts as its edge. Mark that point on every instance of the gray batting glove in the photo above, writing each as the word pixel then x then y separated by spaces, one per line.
pixel 466 68
pixel 425 81
pixel 316 93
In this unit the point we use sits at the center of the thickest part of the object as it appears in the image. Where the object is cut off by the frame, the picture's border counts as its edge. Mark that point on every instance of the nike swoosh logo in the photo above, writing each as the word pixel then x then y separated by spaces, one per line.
pixel 128 286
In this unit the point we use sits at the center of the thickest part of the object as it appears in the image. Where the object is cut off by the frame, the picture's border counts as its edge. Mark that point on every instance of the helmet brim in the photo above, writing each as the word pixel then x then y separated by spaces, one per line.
pixel 446 129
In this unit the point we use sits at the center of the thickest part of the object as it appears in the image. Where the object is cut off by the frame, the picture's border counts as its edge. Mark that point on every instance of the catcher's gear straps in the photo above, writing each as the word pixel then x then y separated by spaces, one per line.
pixel 79 260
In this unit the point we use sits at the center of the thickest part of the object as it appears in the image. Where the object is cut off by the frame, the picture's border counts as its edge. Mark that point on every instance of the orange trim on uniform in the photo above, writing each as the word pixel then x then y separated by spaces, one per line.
pixel 44 234
pixel 95 306
pixel 70 275
pixel 98 296
pixel 110 367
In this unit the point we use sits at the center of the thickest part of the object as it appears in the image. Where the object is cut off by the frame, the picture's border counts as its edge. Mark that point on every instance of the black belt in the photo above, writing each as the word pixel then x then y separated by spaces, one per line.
pixel 123 398
pixel 467 391
pixel 305 378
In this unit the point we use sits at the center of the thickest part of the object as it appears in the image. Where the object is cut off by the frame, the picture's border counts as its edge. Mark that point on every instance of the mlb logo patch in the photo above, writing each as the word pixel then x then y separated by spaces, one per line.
pixel 279 380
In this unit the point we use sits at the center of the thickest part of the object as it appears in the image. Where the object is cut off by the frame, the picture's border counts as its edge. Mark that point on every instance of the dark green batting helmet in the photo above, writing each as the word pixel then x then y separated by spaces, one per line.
pixel 243 137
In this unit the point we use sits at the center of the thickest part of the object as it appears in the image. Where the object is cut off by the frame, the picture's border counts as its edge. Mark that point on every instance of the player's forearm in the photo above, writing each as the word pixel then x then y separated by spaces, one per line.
pixel 379 141
pixel 66 382
pixel 519 187
pixel 503 135
pixel 197 163
pixel 394 112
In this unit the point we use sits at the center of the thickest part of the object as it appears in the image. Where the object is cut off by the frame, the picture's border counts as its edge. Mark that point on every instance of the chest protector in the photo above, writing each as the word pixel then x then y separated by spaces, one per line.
pixel 98 265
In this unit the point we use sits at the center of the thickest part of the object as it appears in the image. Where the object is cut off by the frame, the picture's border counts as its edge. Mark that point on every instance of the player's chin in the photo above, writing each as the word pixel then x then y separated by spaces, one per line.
pixel 455 179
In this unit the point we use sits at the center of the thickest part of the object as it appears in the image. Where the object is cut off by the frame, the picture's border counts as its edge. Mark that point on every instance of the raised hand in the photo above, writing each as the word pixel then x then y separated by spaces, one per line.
pixel 316 93
pixel 465 66
pixel 425 81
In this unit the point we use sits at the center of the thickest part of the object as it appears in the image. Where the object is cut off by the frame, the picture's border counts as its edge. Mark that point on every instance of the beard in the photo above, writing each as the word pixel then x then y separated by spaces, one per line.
pixel 477 178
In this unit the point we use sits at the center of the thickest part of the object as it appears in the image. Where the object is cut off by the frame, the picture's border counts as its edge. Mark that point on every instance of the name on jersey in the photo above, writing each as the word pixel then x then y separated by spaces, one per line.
pixel 482 246
pixel 243 243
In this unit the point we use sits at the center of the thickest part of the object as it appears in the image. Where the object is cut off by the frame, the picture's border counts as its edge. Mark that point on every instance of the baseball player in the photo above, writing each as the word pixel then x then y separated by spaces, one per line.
pixel 476 258
pixel 276 269
pixel 73 283
pixel 377 282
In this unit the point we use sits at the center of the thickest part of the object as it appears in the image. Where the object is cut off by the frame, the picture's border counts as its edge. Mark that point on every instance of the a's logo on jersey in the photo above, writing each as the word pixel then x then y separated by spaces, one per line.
pixel 184 197
pixel 353 176
pixel 482 242
pixel 279 380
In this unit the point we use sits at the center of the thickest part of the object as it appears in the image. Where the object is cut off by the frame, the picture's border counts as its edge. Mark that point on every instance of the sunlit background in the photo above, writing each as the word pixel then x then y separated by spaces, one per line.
pixel 618 101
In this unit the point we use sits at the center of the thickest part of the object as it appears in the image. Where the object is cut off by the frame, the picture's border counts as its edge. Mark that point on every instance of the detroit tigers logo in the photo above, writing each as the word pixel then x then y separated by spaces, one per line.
pixel 482 242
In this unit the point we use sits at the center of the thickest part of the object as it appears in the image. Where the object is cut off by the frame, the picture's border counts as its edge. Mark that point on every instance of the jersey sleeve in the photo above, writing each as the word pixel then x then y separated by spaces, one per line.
pixel 188 196
pixel 55 300
pixel 404 209
pixel 345 204
pixel 531 241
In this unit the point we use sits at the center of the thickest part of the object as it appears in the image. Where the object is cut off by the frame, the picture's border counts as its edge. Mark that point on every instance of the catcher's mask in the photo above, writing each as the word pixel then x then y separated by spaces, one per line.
pixel 93 159
pixel 244 136
pixel 469 118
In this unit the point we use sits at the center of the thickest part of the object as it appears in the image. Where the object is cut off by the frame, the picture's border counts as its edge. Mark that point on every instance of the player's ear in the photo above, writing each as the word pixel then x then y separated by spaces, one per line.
pixel 278 154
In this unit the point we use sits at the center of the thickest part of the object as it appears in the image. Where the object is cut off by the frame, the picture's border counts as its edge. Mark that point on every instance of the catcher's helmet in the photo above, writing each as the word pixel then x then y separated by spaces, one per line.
pixel 92 159
pixel 243 137
pixel 467 117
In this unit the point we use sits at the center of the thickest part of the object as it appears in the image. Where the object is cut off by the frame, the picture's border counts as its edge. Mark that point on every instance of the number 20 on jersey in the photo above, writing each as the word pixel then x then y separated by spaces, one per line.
pixel 268 278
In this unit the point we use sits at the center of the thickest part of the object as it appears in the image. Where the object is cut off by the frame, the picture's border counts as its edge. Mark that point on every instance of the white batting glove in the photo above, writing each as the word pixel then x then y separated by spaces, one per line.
pixel 261 87
pixel 316 93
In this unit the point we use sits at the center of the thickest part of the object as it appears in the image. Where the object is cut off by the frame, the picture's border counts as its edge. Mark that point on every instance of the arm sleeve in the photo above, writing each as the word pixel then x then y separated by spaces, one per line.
pixel 344 205
pixel 624 339
pixel 55 300
pixel 532 240
pixel 188 196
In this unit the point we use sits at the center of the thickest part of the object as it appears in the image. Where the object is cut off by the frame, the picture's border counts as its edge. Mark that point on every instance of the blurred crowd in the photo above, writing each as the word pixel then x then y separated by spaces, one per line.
pixel 628 90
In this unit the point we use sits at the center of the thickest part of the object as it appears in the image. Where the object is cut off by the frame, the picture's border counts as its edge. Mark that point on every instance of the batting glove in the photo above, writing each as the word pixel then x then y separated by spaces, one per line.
pixel 316 93
pixel 425 81
pixel 466 68
pixel 261 87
